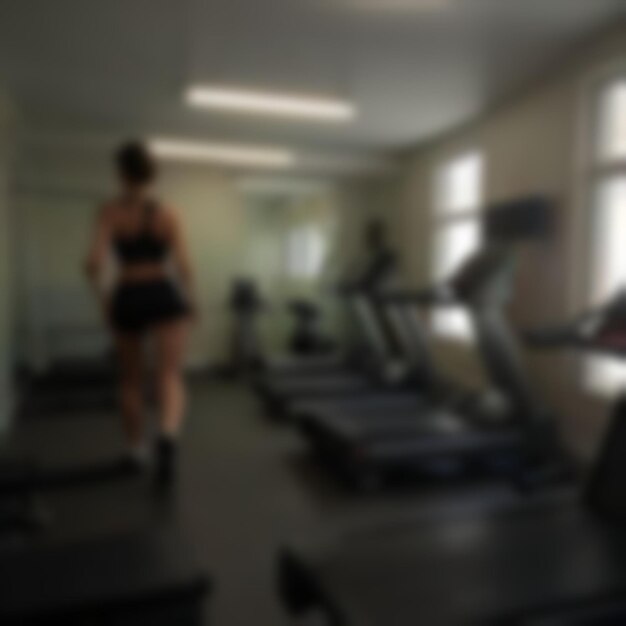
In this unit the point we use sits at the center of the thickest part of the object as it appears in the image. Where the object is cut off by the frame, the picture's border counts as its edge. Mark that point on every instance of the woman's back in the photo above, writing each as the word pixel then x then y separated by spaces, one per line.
pixel 140 234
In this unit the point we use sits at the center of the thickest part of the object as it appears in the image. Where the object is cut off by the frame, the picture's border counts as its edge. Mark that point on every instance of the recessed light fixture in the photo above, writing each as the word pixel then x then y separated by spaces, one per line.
pixel 265 103
pixel 227 154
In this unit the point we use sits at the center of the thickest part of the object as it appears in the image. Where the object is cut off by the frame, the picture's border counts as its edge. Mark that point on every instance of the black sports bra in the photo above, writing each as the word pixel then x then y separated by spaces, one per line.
pixel 143 246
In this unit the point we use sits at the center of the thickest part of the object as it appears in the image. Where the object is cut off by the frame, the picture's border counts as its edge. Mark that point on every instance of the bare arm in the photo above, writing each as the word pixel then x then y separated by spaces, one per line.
pixel 182 260
pixel 97 256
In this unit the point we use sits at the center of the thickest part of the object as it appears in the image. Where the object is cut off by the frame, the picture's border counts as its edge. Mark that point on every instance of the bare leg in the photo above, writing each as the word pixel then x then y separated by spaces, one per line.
pixel 170 343
pixel 129 350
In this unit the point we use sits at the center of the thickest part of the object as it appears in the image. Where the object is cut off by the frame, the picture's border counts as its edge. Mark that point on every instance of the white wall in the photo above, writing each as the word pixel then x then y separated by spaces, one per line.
pixel 6 302
pixel 59 188
pixel 531 144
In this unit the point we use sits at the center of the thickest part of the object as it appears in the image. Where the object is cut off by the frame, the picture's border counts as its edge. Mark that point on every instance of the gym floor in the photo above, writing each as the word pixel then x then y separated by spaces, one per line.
pixel 246 485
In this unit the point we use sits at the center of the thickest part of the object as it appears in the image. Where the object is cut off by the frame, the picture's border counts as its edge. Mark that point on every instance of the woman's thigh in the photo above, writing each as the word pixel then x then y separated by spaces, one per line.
pixel 170 342
pixel 130 355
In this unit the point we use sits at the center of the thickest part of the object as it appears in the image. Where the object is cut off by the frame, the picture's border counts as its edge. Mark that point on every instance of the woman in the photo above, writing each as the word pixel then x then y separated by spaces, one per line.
pixel 146 239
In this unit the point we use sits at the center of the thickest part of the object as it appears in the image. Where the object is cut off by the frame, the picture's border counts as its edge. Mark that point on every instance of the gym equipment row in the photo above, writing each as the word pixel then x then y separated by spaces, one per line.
pixel 552 561
pixel 369 428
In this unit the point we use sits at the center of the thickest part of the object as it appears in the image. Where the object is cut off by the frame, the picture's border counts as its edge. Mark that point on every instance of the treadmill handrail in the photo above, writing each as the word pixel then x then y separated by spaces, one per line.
pixel 585 331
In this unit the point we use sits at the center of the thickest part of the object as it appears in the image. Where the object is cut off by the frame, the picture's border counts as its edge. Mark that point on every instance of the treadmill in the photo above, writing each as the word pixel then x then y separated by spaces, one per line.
pixel 368 366
pixel 70 386
pixel 418 382
pixel 404 379
pixel 380 262
pixel 367 446
pixel 145 576
pixel 402 373
pixel 541 562
pixel 131 577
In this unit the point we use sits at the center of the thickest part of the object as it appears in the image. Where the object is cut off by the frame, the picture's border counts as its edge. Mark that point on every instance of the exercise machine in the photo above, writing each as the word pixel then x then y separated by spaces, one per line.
pixel 555 561
pixel 132 577
pixel 378 264
pixel 246 304
pixel 70 386
pixel 365 363
pixel 23 481
pixel 307 339
pixel 506 431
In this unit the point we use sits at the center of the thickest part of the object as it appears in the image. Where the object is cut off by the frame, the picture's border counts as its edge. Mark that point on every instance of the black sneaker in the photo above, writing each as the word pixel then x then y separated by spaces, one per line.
pixel 166 461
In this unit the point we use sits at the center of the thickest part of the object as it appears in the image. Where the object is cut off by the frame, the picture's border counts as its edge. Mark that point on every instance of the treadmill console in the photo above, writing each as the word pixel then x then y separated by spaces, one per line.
pixel 531 217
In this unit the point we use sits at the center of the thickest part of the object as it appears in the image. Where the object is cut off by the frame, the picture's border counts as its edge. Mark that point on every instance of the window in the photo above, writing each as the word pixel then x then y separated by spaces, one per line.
pixel 611 139
pixel 607 199
pixel 306 251
pixel 456 232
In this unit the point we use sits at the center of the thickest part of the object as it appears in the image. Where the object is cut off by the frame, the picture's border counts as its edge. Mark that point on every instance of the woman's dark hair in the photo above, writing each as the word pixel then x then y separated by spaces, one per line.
pixel 135 164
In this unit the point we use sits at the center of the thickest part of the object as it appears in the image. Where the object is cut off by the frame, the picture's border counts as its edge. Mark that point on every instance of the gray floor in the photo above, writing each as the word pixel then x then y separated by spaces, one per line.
pixel 247 486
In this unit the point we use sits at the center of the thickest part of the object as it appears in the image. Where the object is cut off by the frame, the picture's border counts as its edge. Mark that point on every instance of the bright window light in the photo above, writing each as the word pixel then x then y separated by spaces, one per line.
pixel 264 103
pixel 454 244
pixel 607 209
pixel 608 273
pixel 306 251
pixel 609 228
pixel 459 187
pixel 612 123
pixel 228 154
pixel 457 233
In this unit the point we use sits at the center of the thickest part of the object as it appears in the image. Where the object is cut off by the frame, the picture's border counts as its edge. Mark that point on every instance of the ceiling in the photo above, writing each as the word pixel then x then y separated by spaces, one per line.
pixel 414 68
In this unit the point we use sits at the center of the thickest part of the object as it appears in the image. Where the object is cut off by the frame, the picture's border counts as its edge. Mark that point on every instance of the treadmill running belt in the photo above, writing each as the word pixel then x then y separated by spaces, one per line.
pixel 425 432
pixel 490 570
pixel 313 384
pixel 131 578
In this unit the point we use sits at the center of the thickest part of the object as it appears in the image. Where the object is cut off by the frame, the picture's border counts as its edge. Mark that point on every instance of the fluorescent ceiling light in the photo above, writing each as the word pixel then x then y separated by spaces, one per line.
pixel 248 101
pixel 228 154
pixel 281 185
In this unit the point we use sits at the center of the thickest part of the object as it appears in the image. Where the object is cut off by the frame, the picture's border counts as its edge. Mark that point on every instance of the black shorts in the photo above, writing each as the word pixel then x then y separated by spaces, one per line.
pixel 137 307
